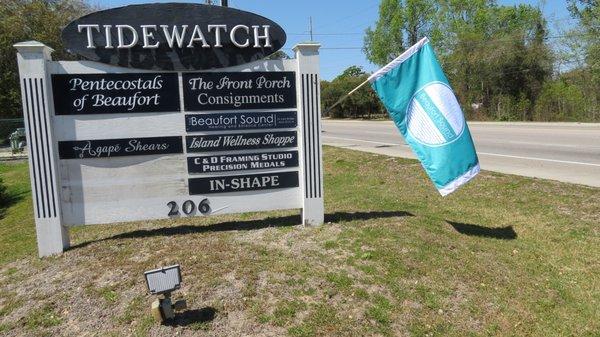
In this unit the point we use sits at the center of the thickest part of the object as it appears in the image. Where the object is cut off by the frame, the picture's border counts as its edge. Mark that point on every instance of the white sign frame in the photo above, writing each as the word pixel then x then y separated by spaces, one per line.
pixel 96 191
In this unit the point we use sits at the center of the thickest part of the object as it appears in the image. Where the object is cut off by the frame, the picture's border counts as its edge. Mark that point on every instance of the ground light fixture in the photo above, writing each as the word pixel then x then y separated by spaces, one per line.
pixel 162 282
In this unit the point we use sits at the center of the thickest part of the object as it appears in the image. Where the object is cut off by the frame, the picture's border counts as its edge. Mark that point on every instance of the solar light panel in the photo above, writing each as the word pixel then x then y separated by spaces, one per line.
pixel 163 280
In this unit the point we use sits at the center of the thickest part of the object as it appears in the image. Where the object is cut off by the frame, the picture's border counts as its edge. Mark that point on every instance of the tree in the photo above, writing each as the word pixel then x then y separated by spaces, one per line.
pixel 278 55
pixel 23 20
pixel 352 71
pixel 588 13
pixel 495 56
pixel 3 194
pixel 560 100
pixel 362 103
pixel 401 24
pixel 588 37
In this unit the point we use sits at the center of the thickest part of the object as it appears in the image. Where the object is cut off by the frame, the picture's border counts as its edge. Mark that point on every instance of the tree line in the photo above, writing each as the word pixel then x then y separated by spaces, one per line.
pixel 502 61
pixel 361 104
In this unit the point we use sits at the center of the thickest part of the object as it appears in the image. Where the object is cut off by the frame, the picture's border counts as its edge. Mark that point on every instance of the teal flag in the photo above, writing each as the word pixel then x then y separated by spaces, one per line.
pixel 421 103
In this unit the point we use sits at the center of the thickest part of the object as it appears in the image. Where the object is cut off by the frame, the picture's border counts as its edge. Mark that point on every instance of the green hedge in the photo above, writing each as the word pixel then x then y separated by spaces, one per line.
pixel 3 195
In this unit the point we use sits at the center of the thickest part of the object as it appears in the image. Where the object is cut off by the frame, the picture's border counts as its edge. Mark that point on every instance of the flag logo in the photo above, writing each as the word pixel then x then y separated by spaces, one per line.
pixel 434 117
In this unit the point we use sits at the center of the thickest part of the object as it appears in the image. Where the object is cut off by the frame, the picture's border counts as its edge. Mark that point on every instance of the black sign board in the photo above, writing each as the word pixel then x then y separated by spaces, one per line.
pixel 105 148
pixel 242 162
pixel 78 94
pixel 241 121
pixel 173 36
pixel 239 183
pixel 241 141
pixel 239 90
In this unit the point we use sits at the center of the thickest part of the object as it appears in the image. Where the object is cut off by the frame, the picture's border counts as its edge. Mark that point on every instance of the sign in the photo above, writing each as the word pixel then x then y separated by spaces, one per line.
pixel 241 141
pixel 242 162
pixel 109 144
pixel 241 183
pixel 241 121
pixel 173 36
pixel 115 93
pixel 106 148
pixel 237 91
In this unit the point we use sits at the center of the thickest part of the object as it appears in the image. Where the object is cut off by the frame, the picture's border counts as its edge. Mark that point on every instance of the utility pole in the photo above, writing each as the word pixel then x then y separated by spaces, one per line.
pixel 310 28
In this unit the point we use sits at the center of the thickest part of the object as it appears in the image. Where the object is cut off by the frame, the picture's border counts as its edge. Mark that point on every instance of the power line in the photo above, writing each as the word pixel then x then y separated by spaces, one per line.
pixel 500 39
pixel 334 48
pixel 341 48
pixel 566 18
pixel 326 34
pixel 361 12
pixel 504 40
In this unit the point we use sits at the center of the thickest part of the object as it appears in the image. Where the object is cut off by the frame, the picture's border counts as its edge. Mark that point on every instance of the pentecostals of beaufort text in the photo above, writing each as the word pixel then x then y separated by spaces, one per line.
pixel 132 98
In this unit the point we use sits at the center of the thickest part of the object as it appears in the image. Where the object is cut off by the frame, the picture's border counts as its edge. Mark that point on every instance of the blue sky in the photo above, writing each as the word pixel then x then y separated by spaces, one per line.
pixel 340 24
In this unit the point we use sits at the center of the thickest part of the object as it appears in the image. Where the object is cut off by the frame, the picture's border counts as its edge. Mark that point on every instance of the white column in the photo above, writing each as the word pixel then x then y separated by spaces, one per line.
pixel 36 93
pixel 311 154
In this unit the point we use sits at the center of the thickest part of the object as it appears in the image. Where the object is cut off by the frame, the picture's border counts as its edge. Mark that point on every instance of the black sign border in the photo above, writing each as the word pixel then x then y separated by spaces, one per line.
pixel 258 147
pixel 190 104
pixel 63 100
pixel 193 183
pixel 164 57
pixel 192 129
pixel 295 162
pixel 65 147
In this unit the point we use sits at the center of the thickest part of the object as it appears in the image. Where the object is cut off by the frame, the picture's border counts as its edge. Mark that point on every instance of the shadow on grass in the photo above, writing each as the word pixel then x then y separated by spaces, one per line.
pixel 8 199
pixel 502 233
pixel 285 221
pixel 346 216
pixel 196 316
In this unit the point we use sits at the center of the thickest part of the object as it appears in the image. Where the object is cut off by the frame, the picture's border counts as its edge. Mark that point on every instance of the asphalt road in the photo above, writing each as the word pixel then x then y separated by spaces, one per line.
pixel 568 152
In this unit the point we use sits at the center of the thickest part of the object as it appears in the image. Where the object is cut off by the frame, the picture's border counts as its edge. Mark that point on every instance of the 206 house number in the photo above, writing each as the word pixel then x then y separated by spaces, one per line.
pixel 188 207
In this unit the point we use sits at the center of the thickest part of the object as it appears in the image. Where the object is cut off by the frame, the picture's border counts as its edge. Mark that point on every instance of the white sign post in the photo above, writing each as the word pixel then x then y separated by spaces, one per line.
pixel 34 59
pixel 309 107
pixel 173 146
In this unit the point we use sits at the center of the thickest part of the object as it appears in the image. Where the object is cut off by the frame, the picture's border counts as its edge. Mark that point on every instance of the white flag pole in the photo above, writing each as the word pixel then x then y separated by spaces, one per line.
pixel 385 69
pixel 343 98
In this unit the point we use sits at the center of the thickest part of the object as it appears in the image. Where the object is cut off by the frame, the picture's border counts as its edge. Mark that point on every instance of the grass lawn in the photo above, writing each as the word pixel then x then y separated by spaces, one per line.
pixel 503 256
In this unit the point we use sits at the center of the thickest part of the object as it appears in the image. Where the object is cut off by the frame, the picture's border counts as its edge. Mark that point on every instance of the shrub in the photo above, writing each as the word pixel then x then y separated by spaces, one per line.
pixel 3 193
pixel 560 101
